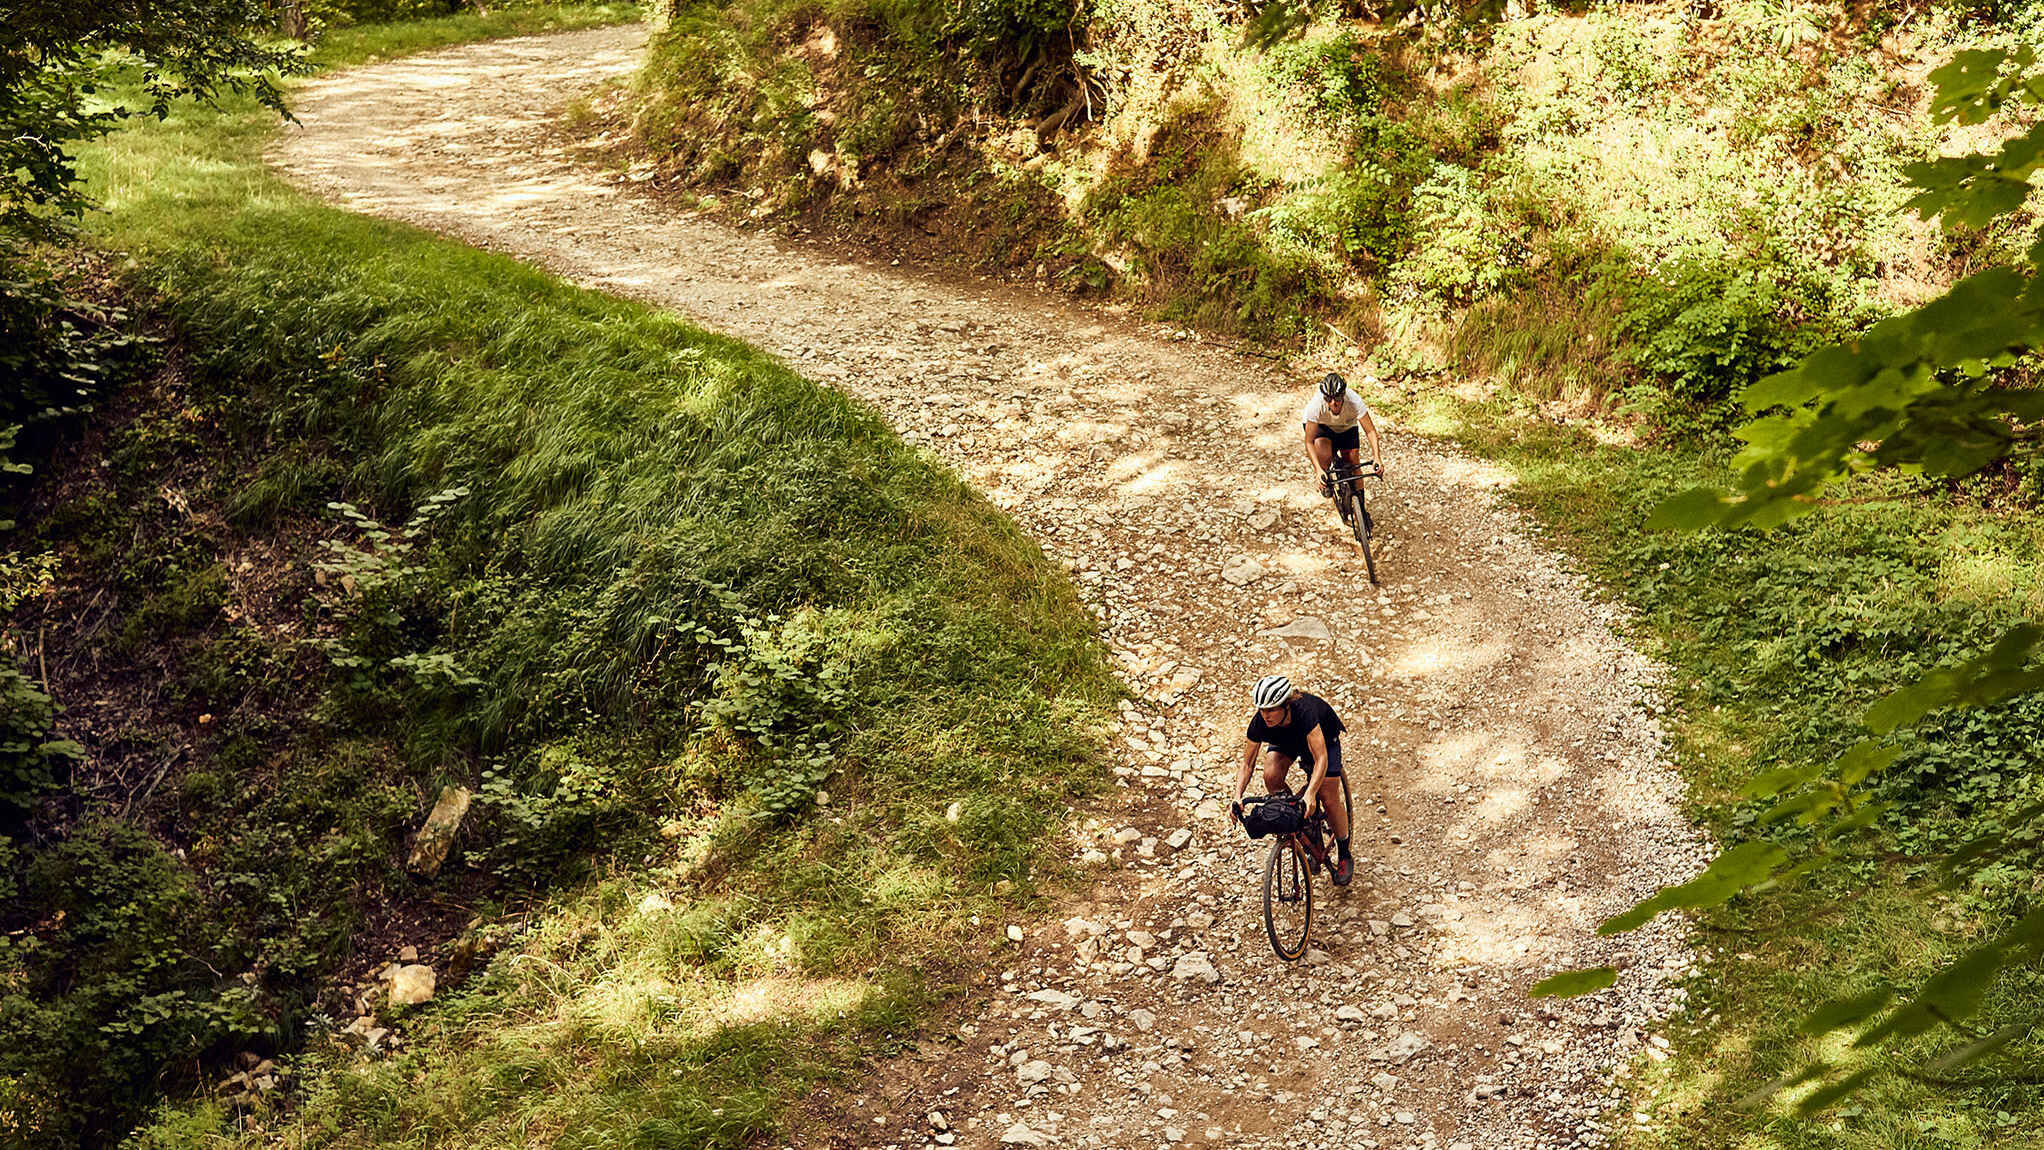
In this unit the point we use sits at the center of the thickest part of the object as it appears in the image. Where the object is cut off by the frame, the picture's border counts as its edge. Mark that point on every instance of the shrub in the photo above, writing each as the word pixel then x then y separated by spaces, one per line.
pixel 31 763
pixel 1701 330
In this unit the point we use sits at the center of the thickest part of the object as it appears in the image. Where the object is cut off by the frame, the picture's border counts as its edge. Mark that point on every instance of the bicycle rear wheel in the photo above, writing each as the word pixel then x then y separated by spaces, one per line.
pixel 1287 900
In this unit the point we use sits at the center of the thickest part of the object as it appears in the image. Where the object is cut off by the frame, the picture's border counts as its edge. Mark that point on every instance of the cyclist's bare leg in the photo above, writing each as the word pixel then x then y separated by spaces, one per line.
pixel 1275 766
pixel 1320 449
pixel 1330 801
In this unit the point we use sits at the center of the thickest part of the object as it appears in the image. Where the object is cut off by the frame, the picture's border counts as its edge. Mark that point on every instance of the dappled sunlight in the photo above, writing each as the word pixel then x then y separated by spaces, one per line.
pixel 810 1001
pixel 1440 658
pixel 1150 475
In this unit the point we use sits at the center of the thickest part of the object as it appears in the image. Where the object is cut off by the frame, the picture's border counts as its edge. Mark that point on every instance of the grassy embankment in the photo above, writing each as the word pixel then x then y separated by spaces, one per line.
pixel 694 627
pixel 1776 640
pixel 1625 213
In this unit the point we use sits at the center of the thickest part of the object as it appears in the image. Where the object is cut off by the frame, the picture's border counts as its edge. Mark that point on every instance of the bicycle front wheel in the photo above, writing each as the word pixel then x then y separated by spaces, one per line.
pixel 1287 900
pixel 1361 525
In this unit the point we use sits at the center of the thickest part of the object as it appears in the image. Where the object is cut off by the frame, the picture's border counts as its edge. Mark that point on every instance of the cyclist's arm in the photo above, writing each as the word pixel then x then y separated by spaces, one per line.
pixel 1376 445
pixel 1317 740
pixel 1248 771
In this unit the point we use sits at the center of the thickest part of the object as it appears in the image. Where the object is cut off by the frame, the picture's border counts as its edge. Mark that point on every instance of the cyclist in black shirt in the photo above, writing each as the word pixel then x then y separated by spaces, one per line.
pixel 1290 725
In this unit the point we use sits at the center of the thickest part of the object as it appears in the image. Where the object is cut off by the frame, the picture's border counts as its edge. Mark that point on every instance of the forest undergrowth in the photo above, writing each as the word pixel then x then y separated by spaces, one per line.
pixel 761 708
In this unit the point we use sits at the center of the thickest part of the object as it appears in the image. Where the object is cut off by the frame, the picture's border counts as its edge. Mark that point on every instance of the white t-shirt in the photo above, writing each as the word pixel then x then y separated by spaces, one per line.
pixel 1351 413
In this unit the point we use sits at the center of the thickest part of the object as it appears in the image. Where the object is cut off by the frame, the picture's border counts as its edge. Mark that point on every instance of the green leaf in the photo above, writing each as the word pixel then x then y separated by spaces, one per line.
pixel 1745 865
pixel 1768 784
pixel 1574 983
pixel 1969 87
pixel 1863 758
pixel 1698 507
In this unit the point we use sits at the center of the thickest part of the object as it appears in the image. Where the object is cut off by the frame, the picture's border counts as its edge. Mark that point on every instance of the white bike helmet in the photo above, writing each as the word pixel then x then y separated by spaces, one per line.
pixel 1271 691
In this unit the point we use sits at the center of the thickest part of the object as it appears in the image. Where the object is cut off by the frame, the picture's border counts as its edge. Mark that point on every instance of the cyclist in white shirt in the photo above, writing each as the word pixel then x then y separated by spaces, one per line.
pixel 1332 420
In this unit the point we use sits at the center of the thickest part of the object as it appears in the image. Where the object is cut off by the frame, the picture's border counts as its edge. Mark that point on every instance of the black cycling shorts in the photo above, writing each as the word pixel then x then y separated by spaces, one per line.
pixel 1333 758
pixel 1343 440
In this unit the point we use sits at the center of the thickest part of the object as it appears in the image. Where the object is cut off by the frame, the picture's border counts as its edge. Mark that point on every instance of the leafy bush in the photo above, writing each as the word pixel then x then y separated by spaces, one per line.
pixel 31 763
pixel 105 948
pixel 58 353
pixel 1462 251
pixel 1701 330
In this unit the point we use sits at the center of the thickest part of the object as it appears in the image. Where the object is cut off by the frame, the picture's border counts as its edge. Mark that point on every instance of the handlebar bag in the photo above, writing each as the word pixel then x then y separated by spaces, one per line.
pixel 1273 815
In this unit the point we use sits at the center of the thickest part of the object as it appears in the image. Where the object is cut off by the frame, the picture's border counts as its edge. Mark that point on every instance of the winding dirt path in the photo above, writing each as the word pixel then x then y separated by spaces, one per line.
pixel 1511 787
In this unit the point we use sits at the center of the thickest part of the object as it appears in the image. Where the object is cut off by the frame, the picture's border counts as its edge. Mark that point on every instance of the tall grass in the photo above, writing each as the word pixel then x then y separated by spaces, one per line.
pixel 686 616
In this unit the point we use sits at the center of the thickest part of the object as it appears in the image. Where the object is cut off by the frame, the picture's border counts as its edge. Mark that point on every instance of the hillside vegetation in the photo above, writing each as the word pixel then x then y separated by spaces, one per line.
pixel 759 705
pixel 1599 203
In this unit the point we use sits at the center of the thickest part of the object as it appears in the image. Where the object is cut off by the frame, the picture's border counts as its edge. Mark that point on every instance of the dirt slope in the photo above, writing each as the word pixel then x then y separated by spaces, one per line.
pixel 1510 783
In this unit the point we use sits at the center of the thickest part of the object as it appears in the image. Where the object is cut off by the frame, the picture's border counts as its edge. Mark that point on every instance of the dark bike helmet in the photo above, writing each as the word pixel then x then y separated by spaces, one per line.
pixel 1333 385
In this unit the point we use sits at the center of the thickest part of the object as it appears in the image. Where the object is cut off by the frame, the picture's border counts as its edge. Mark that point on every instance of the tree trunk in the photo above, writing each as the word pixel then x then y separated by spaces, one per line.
pixel 291 19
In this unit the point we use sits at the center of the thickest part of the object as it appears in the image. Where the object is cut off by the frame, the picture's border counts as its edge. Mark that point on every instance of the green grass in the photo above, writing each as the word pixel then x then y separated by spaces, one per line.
pixel 1776 640
pixel 367 43
pixel 692 625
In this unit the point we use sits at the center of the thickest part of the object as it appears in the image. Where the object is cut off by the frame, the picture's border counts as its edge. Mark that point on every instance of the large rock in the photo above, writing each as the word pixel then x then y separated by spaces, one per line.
pixel 1304 629
pixel 411 985
pixel 1242 571
pixel 429 849
pixel 1401 1048
pixel 1056 999
pixel 1033 1071
pixel 1195 966
pixel 1021 1135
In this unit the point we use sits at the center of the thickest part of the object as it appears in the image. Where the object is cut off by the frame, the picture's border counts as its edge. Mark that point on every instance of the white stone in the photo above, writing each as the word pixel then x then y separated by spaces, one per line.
pixel 1033 1071
pixel 1304 629
pixel 411 985
pixel 1021 1135
pixel 1242 571
pixel 1195 965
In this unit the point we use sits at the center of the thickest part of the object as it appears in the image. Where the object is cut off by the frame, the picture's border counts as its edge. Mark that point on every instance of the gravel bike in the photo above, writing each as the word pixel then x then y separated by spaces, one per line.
pixel 1347 480
pixel 1288 879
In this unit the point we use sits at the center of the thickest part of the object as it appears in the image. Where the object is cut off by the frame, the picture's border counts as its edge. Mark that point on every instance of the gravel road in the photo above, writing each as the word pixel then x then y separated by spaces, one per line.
pixel 1511 786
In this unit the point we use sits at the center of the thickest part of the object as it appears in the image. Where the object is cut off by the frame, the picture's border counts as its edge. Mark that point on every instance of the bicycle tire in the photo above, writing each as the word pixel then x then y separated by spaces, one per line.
pixel 1286 884
pixel 1361 525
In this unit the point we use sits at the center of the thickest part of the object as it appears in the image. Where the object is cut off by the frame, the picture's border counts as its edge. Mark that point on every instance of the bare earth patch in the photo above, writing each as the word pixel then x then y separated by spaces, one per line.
pixel 1510 783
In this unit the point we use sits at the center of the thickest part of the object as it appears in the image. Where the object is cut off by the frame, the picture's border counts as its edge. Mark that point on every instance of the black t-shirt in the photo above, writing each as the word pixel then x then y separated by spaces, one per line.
pixel 1308 712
